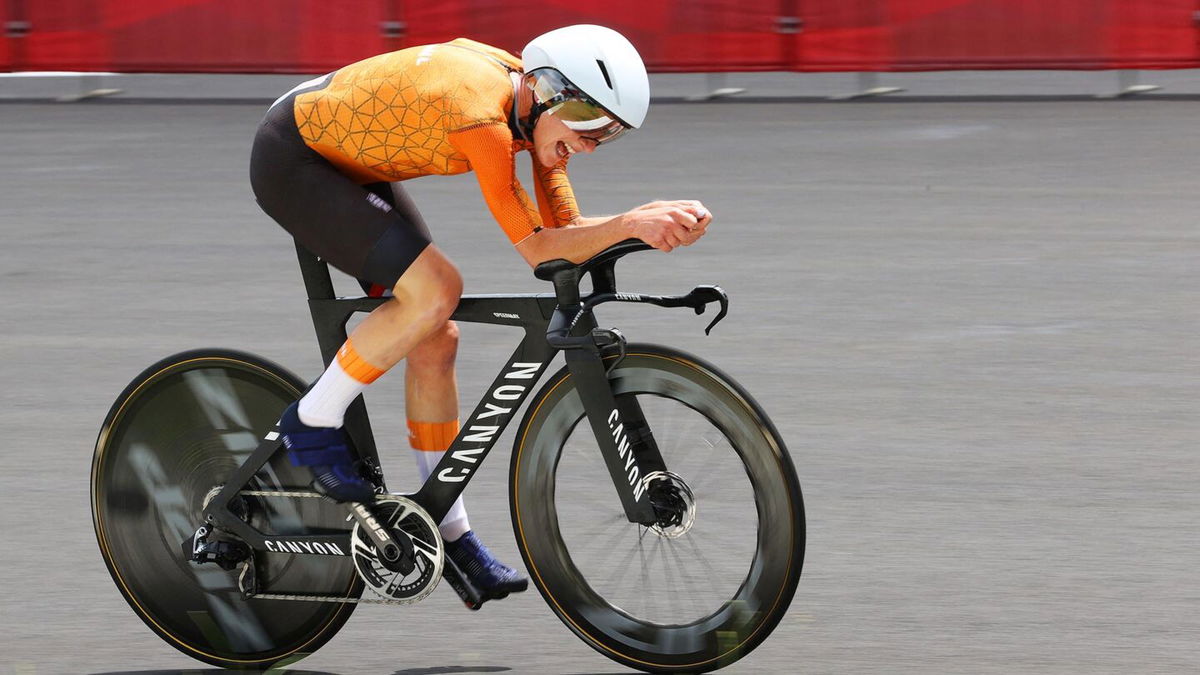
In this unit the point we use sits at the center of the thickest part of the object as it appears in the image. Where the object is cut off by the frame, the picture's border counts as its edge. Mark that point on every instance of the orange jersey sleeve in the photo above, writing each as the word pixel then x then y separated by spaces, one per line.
pixel 489 150
pixel 556 199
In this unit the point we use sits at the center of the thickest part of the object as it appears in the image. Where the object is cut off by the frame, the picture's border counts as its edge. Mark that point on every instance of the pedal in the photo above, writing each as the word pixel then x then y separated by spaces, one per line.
pixel 472 597
pixel 248 579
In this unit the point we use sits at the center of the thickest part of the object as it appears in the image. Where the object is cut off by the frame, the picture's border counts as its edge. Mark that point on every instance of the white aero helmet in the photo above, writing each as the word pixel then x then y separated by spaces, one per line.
pixel 590 77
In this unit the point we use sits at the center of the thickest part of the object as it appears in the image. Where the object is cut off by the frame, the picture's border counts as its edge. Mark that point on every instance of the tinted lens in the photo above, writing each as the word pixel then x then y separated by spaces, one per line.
pixel 610 133
pixel 602 130
pixel 547 85
pixel 572 106
pixel 581 114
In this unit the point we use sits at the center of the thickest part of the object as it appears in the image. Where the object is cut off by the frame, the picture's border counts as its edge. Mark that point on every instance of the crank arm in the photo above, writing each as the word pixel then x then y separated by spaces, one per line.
pixel 472 597
pixel 389 550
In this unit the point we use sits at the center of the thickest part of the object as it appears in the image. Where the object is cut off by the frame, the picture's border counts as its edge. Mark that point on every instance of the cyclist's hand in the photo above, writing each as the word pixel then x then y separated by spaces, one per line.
pixel 692 206
pixel 666 225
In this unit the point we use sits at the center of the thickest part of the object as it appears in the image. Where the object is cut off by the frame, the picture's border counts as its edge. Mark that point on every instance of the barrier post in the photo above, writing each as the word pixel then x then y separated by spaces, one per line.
pixel 1128 84
pixel 91 85
pixel 868 86
pixel 715 84
pixel 15 30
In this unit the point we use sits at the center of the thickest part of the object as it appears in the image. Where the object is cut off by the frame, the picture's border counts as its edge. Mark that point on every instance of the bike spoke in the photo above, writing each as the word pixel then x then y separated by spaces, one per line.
pixel 617 571
pixel 600 544
pixel 694 548
pixel 707 474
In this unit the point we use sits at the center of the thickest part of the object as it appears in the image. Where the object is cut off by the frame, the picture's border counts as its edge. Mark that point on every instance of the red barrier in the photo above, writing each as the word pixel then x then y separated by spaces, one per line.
pixel 314 36
pixel 202 35
pixel 66 35
pixel 997 34
pixel 695 35
pixel 1154 34
pixel 723 36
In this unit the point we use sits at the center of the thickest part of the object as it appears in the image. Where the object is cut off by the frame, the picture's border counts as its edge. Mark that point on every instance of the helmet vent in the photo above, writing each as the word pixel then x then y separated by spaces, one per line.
pixel 604 72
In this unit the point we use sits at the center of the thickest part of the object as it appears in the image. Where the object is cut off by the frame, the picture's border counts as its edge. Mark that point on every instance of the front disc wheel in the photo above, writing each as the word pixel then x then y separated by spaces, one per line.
pixel 714 575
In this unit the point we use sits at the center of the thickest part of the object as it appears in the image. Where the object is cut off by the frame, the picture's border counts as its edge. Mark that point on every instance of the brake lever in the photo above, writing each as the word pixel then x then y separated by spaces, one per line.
pixel 700 296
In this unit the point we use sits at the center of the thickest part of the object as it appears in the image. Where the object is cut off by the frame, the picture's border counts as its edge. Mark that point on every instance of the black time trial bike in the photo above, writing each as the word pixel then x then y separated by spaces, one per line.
pixel 653 502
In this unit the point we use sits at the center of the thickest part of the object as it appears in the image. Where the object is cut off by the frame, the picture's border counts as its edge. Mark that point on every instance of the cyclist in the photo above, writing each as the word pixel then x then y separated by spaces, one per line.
pixel 327 163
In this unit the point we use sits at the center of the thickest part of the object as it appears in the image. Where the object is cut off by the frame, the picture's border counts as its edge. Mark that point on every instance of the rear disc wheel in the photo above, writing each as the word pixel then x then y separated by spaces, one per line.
pixel 172 438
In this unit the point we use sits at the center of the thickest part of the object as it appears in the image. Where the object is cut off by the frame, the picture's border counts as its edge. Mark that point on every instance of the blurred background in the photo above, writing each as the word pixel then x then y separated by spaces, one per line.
pixel 689 36
pixel 960 239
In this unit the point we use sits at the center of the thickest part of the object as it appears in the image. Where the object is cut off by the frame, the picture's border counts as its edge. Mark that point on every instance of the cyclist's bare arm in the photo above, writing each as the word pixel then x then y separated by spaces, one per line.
pixel 663 225
pixel 692 206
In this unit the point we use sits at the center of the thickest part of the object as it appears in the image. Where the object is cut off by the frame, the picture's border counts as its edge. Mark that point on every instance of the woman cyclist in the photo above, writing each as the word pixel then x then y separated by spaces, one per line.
pixel 327 165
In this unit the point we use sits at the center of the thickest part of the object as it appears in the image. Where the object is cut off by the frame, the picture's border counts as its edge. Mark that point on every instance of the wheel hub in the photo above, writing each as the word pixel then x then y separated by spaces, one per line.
pixel 673 502
pixel 238 506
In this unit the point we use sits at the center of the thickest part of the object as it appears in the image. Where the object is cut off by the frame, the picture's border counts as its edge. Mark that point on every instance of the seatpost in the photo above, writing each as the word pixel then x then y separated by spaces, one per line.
pixel 566 287
pixel 604 278
pixel 315 273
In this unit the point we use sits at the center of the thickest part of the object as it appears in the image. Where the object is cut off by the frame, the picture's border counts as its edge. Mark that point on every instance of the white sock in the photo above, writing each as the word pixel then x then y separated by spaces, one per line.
pixel 325 404
pixel 455 524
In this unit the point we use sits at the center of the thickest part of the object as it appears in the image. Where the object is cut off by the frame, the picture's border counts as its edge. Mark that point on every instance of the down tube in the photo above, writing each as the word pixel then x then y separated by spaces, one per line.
pixel 484 426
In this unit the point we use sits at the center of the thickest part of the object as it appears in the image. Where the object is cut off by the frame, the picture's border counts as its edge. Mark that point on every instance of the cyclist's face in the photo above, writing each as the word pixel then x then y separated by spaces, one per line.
pixel 553 141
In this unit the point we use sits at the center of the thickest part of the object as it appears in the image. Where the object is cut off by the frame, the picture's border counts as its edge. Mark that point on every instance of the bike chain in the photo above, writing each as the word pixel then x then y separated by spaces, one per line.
pixel 325 598
pixel 309 495
pixel 241 579
pixel 303 597
pixel 280 493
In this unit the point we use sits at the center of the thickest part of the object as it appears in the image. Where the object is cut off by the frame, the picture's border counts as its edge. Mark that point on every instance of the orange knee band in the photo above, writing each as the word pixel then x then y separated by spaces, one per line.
pixel 355 366
pixel 432 436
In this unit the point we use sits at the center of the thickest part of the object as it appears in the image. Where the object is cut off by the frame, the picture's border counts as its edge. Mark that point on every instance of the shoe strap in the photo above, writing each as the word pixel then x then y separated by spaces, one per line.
pixel 334 454
pixel 317 437
pixel 468 548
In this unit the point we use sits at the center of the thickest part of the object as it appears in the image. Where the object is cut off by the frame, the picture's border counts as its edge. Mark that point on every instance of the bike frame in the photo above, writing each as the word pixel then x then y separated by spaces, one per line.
pixel 552 322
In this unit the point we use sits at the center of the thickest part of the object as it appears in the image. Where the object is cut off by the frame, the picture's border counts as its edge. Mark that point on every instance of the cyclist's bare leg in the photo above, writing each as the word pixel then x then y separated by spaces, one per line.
pixel 415 325
pixel 430 388
pixel 424 298
pixel 431 402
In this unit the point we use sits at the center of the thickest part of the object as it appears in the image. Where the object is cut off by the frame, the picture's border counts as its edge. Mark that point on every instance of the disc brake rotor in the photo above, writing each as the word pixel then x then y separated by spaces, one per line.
pixel 673 502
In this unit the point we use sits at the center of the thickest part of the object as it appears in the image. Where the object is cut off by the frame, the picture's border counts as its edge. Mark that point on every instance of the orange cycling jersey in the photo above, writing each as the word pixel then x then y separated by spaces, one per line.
pixel 437 109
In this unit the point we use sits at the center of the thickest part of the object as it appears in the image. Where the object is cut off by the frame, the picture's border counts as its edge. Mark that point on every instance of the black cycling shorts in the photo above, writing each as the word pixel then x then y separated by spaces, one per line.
pixel 371 232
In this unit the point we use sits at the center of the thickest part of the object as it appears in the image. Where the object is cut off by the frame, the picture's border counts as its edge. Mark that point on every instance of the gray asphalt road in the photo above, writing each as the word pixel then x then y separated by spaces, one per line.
pixel 974 323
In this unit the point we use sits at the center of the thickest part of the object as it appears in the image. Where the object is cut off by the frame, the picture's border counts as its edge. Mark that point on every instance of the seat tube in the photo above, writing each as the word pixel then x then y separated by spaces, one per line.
pixel 330 316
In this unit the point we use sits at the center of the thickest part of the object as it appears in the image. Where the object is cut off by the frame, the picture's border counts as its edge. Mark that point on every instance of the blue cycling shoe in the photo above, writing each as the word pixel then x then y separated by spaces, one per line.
pixel 491 577
pixel 326 452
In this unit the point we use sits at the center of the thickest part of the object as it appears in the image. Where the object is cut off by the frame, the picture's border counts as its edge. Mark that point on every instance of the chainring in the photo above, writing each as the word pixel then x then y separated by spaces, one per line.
pixel 404 519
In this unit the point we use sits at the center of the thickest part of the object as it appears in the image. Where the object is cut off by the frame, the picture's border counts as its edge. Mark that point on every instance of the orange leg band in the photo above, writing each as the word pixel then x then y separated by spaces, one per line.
pixel 354 365
pixel 432 436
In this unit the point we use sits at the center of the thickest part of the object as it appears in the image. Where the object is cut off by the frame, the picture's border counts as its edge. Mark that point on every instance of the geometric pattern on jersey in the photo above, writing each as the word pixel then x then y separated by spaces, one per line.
pixel 433 110
pixel 393 127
